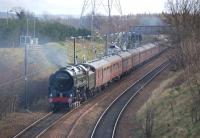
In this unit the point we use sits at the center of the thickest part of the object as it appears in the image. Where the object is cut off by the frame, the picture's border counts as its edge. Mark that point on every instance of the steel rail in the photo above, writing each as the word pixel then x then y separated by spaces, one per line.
pixel 31 125
pixel 118 98
pixel 126 105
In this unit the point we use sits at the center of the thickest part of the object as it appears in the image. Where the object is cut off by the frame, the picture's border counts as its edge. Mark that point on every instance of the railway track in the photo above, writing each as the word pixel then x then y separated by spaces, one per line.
pixel 67 127
pixel 107 123
pixel 37 127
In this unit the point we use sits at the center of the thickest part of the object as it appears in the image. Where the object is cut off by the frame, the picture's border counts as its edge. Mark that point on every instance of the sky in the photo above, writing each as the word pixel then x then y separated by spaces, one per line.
pixel 74 7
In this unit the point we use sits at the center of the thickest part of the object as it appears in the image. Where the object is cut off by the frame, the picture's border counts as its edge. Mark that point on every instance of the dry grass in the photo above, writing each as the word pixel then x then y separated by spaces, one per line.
pixel 41 63
pixel 172 104
pixel 15 122
pixel 84 50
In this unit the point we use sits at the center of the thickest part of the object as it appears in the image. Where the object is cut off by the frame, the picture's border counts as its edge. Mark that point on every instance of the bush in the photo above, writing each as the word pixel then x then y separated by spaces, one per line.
pixel 46 30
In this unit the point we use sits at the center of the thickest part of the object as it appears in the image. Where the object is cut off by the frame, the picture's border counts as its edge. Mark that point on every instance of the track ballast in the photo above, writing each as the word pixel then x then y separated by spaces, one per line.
pixel 107 123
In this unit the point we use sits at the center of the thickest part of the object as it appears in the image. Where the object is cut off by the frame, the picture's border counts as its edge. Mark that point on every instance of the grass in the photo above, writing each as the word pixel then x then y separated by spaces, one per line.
pixel 166 123
pixel 41 63
pixel 84 49
pixel 44 62
pixel 15 122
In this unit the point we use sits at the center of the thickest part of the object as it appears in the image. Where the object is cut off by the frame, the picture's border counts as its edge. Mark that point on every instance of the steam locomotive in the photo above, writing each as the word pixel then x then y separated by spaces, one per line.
pixel 76 83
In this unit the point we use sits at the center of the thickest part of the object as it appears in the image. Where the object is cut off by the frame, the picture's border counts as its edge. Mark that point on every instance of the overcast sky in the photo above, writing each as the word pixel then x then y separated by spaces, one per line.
pixel 74 7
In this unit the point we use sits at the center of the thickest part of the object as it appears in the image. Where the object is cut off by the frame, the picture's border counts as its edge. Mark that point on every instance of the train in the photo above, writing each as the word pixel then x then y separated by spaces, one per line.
pixel 76 83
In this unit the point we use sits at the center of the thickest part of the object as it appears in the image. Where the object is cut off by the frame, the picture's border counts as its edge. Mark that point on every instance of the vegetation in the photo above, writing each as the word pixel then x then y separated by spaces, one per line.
pixel 173 115
pixel 42 63
pixel 184 16
pixel 173 110
pixel 121 23
pixel 12 79
pixel 46 30
pixel 55 31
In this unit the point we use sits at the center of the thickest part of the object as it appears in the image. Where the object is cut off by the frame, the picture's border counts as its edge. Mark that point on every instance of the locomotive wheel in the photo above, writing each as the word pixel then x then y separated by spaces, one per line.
pixel 91 93
pixel 88 93
pixel 83 97
pixel 98 89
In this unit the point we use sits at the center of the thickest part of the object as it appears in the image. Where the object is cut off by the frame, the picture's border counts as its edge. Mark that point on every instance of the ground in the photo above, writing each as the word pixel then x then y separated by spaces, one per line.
pixel 15 122
pixel 127 124
pixel 171 101
pixel 84 118
pixel 167 91
pixel 42 61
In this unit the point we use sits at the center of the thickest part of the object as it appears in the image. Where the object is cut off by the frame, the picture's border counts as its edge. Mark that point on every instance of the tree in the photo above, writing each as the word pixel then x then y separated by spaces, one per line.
pixel 20 13
pixel 184 16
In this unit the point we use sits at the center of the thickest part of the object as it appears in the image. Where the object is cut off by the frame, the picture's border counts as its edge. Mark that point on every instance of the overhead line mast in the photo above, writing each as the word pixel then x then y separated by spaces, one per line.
pixel 95 6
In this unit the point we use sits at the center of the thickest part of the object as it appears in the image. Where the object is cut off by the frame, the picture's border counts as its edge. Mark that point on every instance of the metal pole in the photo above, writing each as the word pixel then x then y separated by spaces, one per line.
pixel 7 17
pixel 25 74
pixel 74 50
pixel 26 26
pixel 34 28
pixel 109 16
pixel 109 27
pixel 106 46
pixel 92 27
pixel 25 67
pixel 84 49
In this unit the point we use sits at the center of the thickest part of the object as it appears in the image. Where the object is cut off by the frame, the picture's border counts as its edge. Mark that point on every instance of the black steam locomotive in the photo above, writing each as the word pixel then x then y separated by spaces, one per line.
pixel 76 83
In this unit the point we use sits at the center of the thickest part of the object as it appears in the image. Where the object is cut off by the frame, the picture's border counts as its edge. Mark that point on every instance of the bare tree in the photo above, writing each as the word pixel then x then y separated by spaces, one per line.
pixel 148 121
pixel 195 100
pixel 184 16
